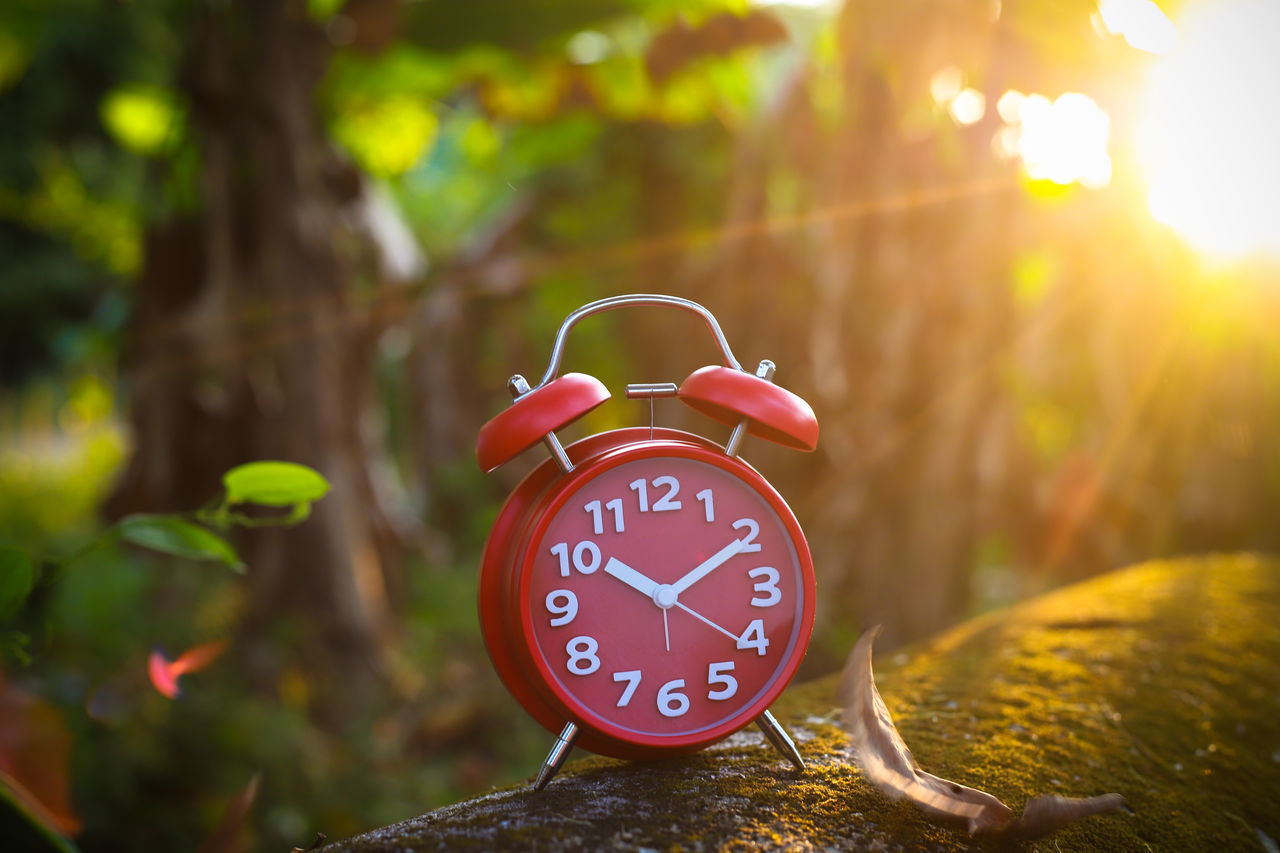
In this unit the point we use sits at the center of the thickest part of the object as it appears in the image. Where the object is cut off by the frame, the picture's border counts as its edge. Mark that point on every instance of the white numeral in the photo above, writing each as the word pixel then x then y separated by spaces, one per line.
pixel 616 506
pixel 586 557
pixel 591 561
pixel 561 550
pixel 718 673
pixel 666 502
pixel 564 612
pixel 582 655
pixel 754 638
pixel 768 586
pixel 707 504
pixel 672 703
pixel 748 541
pixel 632 677
pixel 641 488
pixel 597 515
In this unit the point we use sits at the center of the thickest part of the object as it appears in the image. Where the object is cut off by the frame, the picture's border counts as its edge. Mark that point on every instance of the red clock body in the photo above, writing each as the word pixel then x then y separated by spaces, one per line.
pixel 660 595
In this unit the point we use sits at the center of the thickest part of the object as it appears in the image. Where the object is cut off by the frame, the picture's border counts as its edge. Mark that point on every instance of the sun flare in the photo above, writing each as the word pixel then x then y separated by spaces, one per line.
pixel 1209 135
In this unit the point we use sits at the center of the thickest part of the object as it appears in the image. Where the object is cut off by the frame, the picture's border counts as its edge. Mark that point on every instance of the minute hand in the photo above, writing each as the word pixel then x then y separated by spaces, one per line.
pixel 708 565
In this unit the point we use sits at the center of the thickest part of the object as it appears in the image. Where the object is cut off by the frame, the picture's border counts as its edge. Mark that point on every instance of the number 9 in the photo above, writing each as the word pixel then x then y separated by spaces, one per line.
pixel 564 612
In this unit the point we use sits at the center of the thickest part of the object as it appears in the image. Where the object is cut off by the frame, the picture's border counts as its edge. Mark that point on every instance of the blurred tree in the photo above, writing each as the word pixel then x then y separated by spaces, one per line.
pixel 246 342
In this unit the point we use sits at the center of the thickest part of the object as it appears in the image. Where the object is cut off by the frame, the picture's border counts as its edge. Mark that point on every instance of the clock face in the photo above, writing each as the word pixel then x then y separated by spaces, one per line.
pixel 663 599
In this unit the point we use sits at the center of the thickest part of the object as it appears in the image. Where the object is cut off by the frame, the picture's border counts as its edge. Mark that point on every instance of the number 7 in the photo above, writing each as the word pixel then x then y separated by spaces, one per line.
pixel 632 676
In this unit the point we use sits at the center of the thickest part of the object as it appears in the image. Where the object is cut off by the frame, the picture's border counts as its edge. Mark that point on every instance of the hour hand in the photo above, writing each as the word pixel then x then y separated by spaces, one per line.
pixel 629 576
pixel 707 566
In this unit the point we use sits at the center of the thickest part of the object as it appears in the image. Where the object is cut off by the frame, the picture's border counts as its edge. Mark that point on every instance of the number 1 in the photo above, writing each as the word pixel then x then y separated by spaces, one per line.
pixel 708 504
pixel 641 488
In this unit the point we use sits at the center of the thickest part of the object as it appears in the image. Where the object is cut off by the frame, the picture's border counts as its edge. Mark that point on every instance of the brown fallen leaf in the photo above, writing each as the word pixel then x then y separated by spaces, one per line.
pixel 887 762
pixel 1047 813
pixel 885 759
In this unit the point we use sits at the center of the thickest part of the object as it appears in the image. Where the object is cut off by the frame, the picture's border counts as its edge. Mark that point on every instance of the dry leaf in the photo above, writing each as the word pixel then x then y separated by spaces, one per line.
pixel 1047 813
pixel 885 759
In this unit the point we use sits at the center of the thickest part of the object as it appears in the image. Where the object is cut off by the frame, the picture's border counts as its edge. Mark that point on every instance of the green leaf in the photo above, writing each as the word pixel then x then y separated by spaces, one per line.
pixel 17 577
pixel 274 484
pixel 180 538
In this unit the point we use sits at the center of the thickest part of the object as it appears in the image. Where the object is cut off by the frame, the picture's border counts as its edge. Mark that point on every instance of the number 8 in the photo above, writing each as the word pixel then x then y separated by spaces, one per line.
pixel 587 653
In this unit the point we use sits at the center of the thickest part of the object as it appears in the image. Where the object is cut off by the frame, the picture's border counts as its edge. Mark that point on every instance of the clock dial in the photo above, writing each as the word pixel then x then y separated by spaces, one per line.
pixel 663 598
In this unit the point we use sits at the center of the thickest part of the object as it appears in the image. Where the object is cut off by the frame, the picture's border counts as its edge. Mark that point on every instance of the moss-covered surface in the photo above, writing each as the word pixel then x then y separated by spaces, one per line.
pixel 1161 682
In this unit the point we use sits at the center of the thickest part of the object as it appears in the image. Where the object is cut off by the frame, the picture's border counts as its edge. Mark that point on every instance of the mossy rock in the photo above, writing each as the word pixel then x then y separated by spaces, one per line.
pixel 1161 682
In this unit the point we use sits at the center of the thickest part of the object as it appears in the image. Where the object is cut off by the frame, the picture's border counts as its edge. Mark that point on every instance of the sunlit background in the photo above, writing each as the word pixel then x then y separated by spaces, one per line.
pixel 1021 258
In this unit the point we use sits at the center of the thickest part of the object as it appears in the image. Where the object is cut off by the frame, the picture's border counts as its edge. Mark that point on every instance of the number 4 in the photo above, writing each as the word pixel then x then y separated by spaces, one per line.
pixel 754 638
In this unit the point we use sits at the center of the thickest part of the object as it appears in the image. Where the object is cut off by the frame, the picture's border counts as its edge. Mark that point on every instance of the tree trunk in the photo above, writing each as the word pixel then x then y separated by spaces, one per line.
pixel 247 346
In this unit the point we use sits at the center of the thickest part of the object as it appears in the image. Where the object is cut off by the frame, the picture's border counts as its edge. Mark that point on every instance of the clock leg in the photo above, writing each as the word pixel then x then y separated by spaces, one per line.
pixel 777 735
pixel 559 752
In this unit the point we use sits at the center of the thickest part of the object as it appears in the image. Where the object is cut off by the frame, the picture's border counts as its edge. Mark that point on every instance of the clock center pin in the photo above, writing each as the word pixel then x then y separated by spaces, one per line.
pixel 665 596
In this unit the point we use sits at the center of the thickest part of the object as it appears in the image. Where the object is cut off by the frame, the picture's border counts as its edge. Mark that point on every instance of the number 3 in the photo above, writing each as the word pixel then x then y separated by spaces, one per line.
pixel 769 586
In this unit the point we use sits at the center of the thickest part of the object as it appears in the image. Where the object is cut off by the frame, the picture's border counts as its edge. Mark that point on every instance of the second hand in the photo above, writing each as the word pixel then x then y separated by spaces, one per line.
pixel 696 615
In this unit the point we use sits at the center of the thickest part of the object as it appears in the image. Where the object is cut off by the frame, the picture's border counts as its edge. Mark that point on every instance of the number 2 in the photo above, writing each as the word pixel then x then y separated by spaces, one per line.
pixel 748 541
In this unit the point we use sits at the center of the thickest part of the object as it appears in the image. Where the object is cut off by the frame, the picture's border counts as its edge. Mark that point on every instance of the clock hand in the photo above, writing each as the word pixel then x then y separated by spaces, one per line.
pixel 643 584
pixel 707 566
pixel 629 576
pixel 696 615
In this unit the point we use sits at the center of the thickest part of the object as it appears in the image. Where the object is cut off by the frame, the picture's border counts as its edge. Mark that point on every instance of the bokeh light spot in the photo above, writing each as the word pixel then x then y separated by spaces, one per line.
pixel 141 118
pixel 1063 141
pixel 968 106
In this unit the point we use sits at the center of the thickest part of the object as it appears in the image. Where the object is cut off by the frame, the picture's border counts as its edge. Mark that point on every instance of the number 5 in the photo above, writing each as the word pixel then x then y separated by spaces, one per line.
pixel 718 673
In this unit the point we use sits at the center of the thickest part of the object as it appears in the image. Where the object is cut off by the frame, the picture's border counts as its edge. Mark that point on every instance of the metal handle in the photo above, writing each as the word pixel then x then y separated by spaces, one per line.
pixel 612 302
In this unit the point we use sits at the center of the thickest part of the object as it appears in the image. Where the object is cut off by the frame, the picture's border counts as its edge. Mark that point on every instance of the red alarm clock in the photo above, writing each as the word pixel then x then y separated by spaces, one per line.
pixel 645 592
